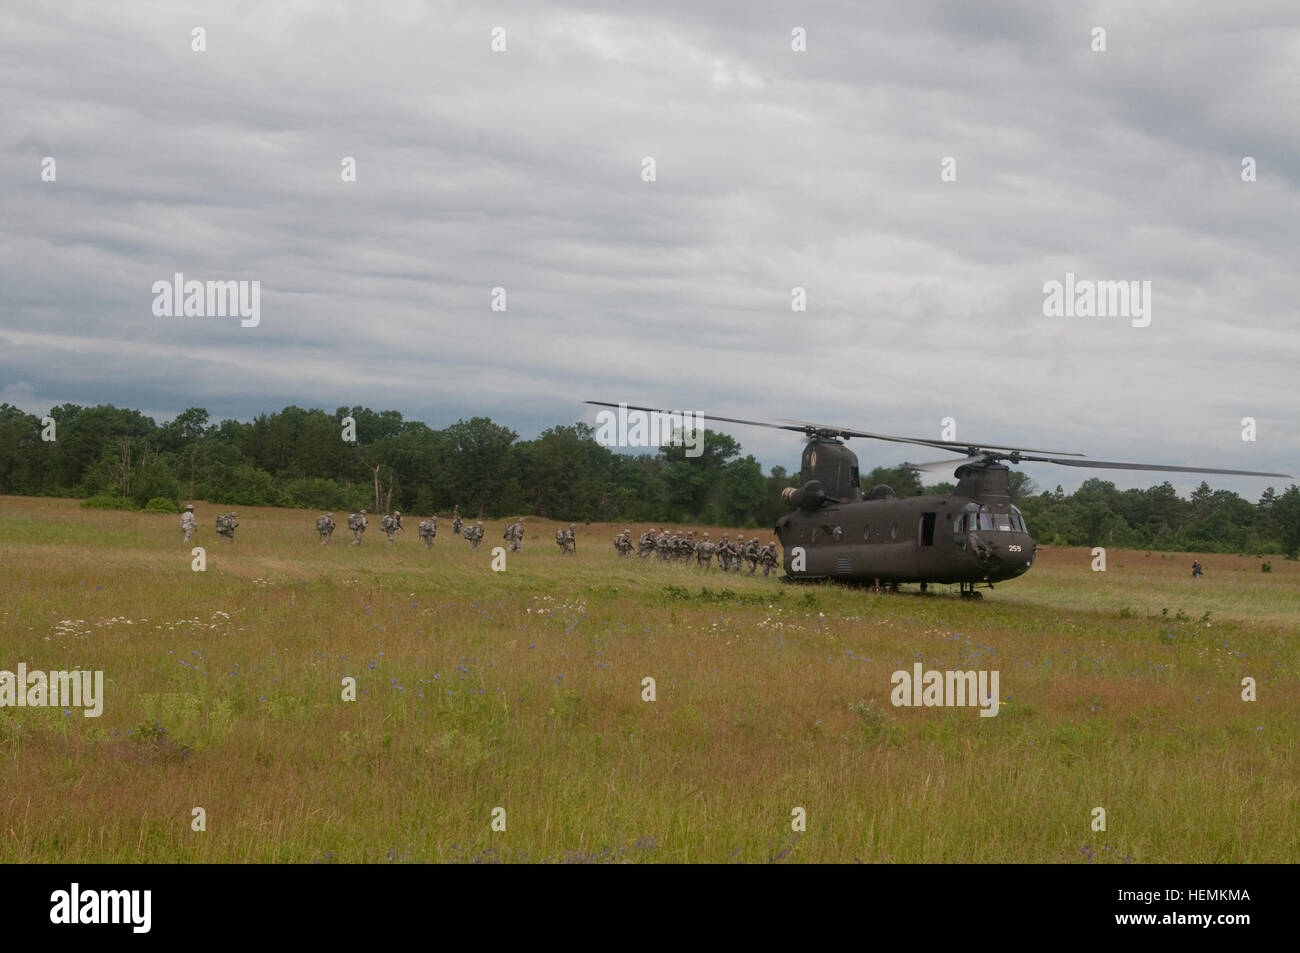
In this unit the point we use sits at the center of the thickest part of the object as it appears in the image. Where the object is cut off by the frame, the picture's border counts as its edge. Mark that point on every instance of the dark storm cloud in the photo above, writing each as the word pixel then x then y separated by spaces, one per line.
pixel 775 169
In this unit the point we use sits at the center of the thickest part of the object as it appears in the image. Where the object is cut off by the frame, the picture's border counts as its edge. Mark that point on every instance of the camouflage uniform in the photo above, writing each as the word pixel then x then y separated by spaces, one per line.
pixel 357 523
pixel 751 554
pixel 737 553
pixel 474 534
pixel 226 526
pixel 325 526
pixel 391 524
pixel 428 530
pixel 769 558
pixel 623 543
pixel 188 523
pixel 515 534
pixel 661 545
pixel 570 541
pixel 646 544
pixel 455 520
pixel 704 552
pixel 724 553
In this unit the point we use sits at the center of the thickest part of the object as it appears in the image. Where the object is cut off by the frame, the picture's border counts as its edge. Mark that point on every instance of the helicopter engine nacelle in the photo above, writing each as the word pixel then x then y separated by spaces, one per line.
pixel 807 497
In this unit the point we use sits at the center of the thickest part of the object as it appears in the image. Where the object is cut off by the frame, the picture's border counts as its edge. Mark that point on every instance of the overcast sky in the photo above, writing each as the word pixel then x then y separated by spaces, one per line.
pixel 775 168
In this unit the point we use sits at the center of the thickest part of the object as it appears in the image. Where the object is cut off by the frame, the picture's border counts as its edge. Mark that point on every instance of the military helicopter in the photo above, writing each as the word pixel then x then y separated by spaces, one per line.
pixel 973 536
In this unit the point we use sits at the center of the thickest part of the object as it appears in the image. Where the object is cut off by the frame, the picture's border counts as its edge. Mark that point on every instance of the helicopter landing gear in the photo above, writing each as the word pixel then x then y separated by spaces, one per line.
pixel 924 586
pixel 968 591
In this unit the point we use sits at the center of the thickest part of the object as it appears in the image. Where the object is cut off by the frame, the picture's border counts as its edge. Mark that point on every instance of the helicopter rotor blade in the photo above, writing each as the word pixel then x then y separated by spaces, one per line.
pixel 941 464
pixel 1112 465
pixel 812 429
pixel 707 417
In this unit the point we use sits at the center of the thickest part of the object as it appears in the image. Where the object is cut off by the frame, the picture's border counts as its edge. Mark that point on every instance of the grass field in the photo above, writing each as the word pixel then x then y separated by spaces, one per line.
pixel 523 690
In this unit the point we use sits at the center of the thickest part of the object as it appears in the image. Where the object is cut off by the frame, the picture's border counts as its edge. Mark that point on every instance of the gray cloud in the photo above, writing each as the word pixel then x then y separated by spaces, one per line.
pixel 775 169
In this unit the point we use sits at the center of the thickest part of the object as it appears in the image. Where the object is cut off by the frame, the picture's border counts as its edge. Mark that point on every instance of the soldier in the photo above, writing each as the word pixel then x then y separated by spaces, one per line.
pixel 325 526
pixel 455 523
pixel 187 522
pixel 737 553
pixel 724 553
pixel 391 525
pixel 704 552
pixel 428 530
pixel 357 523
pixel 226 526
pixel 661 546
pixel 570 541
pixel 623 543
pixel 515 534
pixel 645 546
pixel 751 554
pixel 474 534
pixel 769 558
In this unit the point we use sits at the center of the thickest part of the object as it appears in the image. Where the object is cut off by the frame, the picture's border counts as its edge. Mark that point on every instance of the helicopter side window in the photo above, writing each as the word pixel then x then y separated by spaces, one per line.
pixel 893 531
pixel 866 533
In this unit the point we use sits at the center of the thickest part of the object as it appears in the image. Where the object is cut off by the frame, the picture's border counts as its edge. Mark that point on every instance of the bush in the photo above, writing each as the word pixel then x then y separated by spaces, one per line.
pixel 160 504
pixel 106 501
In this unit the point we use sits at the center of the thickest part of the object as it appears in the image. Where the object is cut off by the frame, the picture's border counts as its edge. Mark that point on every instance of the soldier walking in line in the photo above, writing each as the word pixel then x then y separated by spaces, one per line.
pixel 428 530
pixel 769 557
pixel 456 523
pixel 704 550
pixel 751 554
pixel 724 553
pixel 391 525
pixel 737 553
pixel 226 526
pixel 474 534
pixel 570 540
pixel 646 544
pixel 325 526
pixel 661 546
pixel 357 523
pixel 188 523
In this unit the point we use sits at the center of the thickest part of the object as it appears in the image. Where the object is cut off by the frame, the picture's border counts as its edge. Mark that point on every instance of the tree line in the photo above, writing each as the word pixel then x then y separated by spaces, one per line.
pixel 298 457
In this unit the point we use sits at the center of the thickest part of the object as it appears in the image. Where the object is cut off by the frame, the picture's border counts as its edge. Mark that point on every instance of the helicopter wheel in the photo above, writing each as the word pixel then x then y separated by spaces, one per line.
pixel 924 586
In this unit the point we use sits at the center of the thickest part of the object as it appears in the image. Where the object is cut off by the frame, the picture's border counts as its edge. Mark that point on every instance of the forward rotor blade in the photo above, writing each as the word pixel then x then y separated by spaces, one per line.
pixel 940 464
pixel 1111 465
pixel 707 417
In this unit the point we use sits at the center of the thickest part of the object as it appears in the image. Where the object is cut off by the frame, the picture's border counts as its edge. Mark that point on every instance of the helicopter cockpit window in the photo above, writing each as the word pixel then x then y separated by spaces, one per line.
pixel 988 522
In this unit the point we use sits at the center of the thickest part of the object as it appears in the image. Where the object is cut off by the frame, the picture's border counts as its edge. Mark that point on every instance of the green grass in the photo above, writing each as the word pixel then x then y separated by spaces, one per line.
pixel 224 692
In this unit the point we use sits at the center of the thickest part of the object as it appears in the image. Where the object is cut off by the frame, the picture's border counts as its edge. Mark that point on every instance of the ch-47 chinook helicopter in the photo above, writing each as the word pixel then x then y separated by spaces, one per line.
pixel 973 536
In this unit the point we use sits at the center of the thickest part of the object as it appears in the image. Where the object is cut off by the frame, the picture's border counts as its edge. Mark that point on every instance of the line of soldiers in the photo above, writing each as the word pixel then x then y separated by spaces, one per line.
pixel 226 524
pixel 670 546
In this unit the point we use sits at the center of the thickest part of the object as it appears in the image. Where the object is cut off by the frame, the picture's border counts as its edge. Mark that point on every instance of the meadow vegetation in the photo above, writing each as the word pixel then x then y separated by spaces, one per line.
pixel 523 690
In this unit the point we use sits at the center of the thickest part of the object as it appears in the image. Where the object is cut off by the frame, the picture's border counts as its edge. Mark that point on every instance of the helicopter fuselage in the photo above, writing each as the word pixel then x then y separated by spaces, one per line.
pixel 940 539
pixel 974 535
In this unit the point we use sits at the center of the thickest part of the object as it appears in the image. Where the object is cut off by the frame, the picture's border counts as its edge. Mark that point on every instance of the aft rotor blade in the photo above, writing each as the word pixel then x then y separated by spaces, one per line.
pixel 1111 465
pixel 955 445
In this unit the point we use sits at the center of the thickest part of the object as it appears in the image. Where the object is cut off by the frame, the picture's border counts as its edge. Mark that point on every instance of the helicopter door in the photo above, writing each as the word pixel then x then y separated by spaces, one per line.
pixel 927 529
